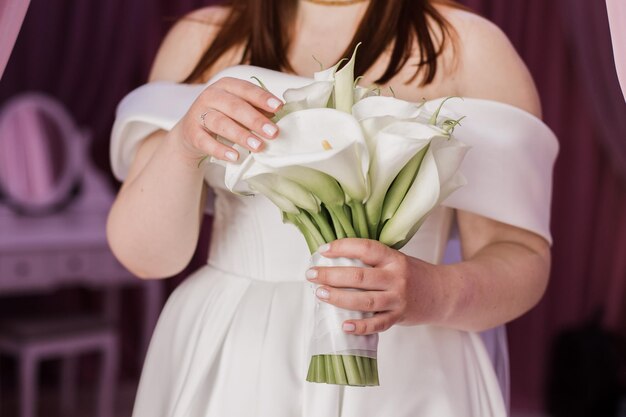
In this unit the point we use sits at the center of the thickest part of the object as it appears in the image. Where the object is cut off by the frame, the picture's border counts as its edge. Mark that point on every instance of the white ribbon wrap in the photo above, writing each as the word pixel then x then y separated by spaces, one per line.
pixel 328 336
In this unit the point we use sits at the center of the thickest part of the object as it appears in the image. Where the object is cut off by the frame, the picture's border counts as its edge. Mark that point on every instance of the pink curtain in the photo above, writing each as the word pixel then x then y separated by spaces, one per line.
pixel 617 20
pixel 12 14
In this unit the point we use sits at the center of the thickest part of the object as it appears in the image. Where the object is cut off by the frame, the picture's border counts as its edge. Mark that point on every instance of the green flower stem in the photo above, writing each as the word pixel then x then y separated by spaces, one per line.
pixel 435 115
pixel 352 370
pixel 349 370
pixel 312 236
pixel 372 211
pixel 322 185
pixel 337 225
pixel 310 376
pixel 338 213
pixel 401 185
pixel 348 213
pixel 320 374
pixel 322 224
pixel 310 240
pixel 359 364
pixel 359 219
pixel 330 372
pixel 311 227
pixel 374 372
pixel 338 367
pixel 367 366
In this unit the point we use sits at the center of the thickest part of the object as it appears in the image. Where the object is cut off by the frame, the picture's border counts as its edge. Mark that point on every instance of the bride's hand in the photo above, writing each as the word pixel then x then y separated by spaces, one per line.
pixel 400 289
pixel 232 109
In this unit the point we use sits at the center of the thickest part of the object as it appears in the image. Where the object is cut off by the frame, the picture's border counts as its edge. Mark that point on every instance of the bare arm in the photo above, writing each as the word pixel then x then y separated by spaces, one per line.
pixel 505 269
pixel 154 223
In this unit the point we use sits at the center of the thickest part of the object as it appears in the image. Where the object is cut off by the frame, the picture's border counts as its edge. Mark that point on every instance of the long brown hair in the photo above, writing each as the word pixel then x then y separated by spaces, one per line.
pixel 263 27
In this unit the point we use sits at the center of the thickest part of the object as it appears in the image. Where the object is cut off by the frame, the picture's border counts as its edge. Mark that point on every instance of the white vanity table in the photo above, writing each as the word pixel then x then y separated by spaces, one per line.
pixel 69 248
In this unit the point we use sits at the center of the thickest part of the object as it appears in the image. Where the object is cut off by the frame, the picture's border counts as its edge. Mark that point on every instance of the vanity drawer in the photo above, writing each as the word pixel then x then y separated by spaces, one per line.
pixel 73 264
pixel 26 271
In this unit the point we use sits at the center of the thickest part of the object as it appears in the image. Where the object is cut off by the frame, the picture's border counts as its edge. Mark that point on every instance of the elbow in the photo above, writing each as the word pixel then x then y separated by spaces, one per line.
pixel 139 259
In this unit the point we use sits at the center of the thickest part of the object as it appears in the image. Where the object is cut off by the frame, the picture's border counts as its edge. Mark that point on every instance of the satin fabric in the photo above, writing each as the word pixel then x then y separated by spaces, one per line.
pixel 232 339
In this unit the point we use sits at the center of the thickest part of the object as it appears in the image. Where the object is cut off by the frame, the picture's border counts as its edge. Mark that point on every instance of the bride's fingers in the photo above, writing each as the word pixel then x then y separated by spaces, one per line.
pixel 379 323
pixel 220 124
pixel 349 277
pixel 252 93
pixel 370 252
pixel 206 143
pixel 357 300
pixel 242 112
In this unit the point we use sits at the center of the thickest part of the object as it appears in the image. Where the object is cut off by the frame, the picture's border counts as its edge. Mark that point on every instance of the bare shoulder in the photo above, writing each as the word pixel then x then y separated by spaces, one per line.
pixel 489 67
pixel 185 43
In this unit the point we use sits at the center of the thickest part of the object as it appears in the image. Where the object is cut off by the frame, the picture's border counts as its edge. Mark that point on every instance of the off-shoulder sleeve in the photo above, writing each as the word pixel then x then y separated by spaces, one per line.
pixel 509 166
pixel 160 105
pixel 151 107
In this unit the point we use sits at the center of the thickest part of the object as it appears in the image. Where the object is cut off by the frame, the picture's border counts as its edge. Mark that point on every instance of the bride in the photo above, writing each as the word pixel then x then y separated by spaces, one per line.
pixel 232 339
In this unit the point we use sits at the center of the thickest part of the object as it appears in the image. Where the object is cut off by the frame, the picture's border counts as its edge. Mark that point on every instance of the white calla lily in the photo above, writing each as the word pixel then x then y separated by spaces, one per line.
pixel 376 113
pixel 234 172
pixel 313 96
pixel 326 140
pixel 279 200
pixel 380 106
pixel 361 93
pixel 393 147
pixel 327 74
pixel 437 177
pixel 291 190
pixel 344 85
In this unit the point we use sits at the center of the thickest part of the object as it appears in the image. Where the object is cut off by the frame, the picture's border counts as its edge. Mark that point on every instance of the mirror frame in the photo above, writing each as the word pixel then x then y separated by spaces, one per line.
pixel 75 141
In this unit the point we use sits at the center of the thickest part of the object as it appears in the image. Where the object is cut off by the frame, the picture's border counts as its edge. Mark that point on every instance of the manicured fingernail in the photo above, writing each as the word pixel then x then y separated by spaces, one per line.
pixel 254 143
pixel 233 156
pixel 311 274
pixel 349 327
pixel 273 103
pixel 322 293
pixel 324 248
pixel 269 130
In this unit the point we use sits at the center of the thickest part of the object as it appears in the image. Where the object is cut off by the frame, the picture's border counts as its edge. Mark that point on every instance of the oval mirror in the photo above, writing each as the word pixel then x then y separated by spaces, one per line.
pixel 42 154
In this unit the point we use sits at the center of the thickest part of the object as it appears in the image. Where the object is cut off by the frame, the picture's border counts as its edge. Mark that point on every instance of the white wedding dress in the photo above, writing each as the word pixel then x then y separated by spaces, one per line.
pixel 232 340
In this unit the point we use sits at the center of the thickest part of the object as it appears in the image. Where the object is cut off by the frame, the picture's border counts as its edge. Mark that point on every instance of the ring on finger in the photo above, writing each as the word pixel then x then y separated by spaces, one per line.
pixel 203 119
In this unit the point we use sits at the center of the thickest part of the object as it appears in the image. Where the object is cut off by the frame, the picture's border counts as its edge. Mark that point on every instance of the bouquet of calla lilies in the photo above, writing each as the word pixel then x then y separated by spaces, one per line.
pixel 349 162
